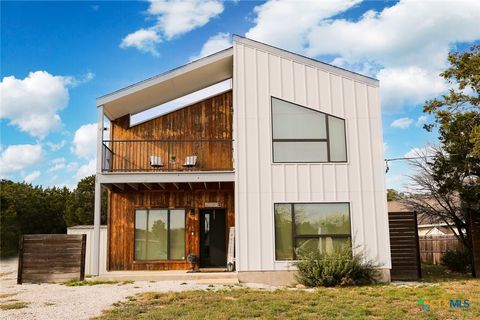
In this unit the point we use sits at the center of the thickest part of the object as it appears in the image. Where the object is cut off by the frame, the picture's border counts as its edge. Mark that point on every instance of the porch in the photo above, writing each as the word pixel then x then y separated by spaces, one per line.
pixel 156 226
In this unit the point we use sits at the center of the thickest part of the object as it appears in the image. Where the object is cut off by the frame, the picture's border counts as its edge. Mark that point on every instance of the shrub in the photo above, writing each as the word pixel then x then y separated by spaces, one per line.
pixel 337 268
pixel 456 261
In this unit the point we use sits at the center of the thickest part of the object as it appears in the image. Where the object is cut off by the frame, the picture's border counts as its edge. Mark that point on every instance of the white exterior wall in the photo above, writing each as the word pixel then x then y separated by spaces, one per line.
pixel 259 183
pixel 88 230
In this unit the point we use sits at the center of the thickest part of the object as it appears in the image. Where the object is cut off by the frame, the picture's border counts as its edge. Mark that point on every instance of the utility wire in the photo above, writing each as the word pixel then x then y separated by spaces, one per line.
pixel 387 168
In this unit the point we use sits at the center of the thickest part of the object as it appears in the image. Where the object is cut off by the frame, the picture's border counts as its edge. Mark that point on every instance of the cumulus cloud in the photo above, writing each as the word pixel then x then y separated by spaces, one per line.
pixel 172 19
pixel 288 24
pixel 85 141
pixel 406 51
pixel 408 86
pixel 33 104
pixel 32 176
pixel 214 44
pixel 144 40
pixel 18 157
pixel 86 170
pixel 401 123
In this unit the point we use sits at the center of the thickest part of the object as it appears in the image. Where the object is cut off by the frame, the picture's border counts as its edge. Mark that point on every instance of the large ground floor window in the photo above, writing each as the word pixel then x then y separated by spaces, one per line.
pixel 159 234
pixel 310 226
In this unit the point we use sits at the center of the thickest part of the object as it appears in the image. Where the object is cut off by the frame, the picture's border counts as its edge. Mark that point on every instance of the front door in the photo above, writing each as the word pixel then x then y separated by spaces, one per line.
pixel 213 248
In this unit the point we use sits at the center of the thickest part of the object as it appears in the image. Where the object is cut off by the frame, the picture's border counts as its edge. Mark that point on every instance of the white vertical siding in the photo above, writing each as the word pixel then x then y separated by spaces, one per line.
pixel 88 230
pixel 258 75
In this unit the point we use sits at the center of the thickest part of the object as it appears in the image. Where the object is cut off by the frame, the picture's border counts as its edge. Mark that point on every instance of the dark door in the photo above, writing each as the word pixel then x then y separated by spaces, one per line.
pixel 213 251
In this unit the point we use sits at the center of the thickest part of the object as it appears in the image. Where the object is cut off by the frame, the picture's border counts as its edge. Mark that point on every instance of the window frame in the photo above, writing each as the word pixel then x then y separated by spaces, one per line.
pixel 327 131
pixel 307 236
pixel 168 234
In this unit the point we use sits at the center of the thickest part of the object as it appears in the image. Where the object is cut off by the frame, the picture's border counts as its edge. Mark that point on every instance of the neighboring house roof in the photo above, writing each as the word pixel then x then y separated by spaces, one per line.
pixel 422 219
pixel 197 75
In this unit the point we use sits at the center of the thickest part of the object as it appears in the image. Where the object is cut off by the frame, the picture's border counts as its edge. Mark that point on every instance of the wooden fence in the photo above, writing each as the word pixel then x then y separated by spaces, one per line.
pixel 433 247
pixel 51 258
pixel 404 246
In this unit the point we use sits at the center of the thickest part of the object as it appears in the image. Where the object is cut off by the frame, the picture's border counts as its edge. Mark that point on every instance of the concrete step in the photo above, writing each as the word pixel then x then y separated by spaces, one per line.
pixel 199 277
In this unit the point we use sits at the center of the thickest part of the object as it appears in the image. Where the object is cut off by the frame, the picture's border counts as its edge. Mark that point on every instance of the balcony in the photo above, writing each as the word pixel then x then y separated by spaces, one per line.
pixel 167 155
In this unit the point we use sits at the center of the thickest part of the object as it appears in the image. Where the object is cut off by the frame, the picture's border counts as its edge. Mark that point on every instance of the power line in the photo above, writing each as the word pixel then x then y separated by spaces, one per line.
pixel 387 168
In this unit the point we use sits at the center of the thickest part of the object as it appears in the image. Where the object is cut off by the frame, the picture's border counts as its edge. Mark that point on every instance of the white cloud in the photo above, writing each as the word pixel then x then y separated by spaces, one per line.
pixel 85 141
pixel 86 170
pixel 32 176
pixel 420 152
pixel 33 104
pixel 144 40
pixel 177 17
pixel 58 166
pixel 72 166
pixel 411 47
pixel 172 19
pixel 421 120
pixel 18 157
pixel 56 146
pixel 408 86
pixel 401 123
pixel 214 44
pixel 287 24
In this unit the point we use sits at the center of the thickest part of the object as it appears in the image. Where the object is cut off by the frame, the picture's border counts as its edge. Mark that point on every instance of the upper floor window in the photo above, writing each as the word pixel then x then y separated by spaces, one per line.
pixel 301 134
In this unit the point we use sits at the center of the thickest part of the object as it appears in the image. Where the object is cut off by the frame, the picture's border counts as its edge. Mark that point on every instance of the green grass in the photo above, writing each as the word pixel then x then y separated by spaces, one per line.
pixel 80 283
pixel 366 302
pixel 437 273
pixel 14 305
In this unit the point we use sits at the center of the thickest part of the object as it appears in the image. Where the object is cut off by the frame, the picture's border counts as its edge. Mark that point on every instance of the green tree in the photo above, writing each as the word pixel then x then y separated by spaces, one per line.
pixel 80 205
pixel 392 195
pixel 29 210
pixel 449 183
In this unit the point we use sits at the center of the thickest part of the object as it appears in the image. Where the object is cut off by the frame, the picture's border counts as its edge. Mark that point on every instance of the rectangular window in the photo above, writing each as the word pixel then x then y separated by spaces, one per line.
pixel 160 234
pixel 310 226
pixel 301 134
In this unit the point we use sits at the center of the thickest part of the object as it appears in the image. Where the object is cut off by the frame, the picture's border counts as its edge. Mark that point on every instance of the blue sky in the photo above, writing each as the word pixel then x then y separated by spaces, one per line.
pixel 57 57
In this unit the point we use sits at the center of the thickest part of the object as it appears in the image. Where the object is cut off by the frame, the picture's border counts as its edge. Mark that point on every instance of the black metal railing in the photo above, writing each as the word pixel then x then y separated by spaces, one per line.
pixel 167 155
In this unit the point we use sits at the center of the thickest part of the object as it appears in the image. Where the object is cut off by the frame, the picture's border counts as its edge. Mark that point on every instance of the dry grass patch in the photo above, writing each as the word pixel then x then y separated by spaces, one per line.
pixel 367 302
pixel 7 295
pixel 14 305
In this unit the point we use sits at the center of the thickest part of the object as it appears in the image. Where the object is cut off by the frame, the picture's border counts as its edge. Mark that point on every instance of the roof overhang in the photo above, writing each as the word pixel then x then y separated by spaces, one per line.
pixel 169 85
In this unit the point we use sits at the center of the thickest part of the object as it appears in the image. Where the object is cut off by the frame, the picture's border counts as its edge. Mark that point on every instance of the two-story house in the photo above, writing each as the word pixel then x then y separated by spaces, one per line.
pixel 286 149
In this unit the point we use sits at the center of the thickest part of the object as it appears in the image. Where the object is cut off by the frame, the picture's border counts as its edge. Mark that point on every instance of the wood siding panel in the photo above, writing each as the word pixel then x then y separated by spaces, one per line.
pixel 51 258
pixel 203 129
pixel 122 218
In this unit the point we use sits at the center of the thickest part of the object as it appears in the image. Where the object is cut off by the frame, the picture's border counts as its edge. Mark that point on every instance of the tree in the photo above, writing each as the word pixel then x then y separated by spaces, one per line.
pixel 80 206
pixel 448 184
pixel 392 195
pixel 29 210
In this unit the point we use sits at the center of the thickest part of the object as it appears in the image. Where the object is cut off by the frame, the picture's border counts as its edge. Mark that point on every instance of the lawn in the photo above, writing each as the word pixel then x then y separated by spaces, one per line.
pixel 367 302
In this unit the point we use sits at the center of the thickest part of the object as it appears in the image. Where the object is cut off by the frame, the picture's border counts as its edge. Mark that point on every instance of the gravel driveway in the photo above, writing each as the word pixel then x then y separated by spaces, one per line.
pixel 56 301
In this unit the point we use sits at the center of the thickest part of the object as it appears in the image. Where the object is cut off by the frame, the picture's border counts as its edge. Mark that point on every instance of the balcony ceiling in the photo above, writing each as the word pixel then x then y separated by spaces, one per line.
pixel 168 86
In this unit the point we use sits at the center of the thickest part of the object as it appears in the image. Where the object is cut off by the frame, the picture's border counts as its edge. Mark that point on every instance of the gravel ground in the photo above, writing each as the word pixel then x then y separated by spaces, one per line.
pixel 56 301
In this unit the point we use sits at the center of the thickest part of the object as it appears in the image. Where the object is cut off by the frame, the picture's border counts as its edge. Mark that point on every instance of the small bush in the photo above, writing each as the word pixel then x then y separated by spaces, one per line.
pixel 339 268
pixel 456 261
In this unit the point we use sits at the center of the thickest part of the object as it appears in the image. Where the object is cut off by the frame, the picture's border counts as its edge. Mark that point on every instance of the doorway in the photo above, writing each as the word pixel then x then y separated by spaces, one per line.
pixel 213 248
